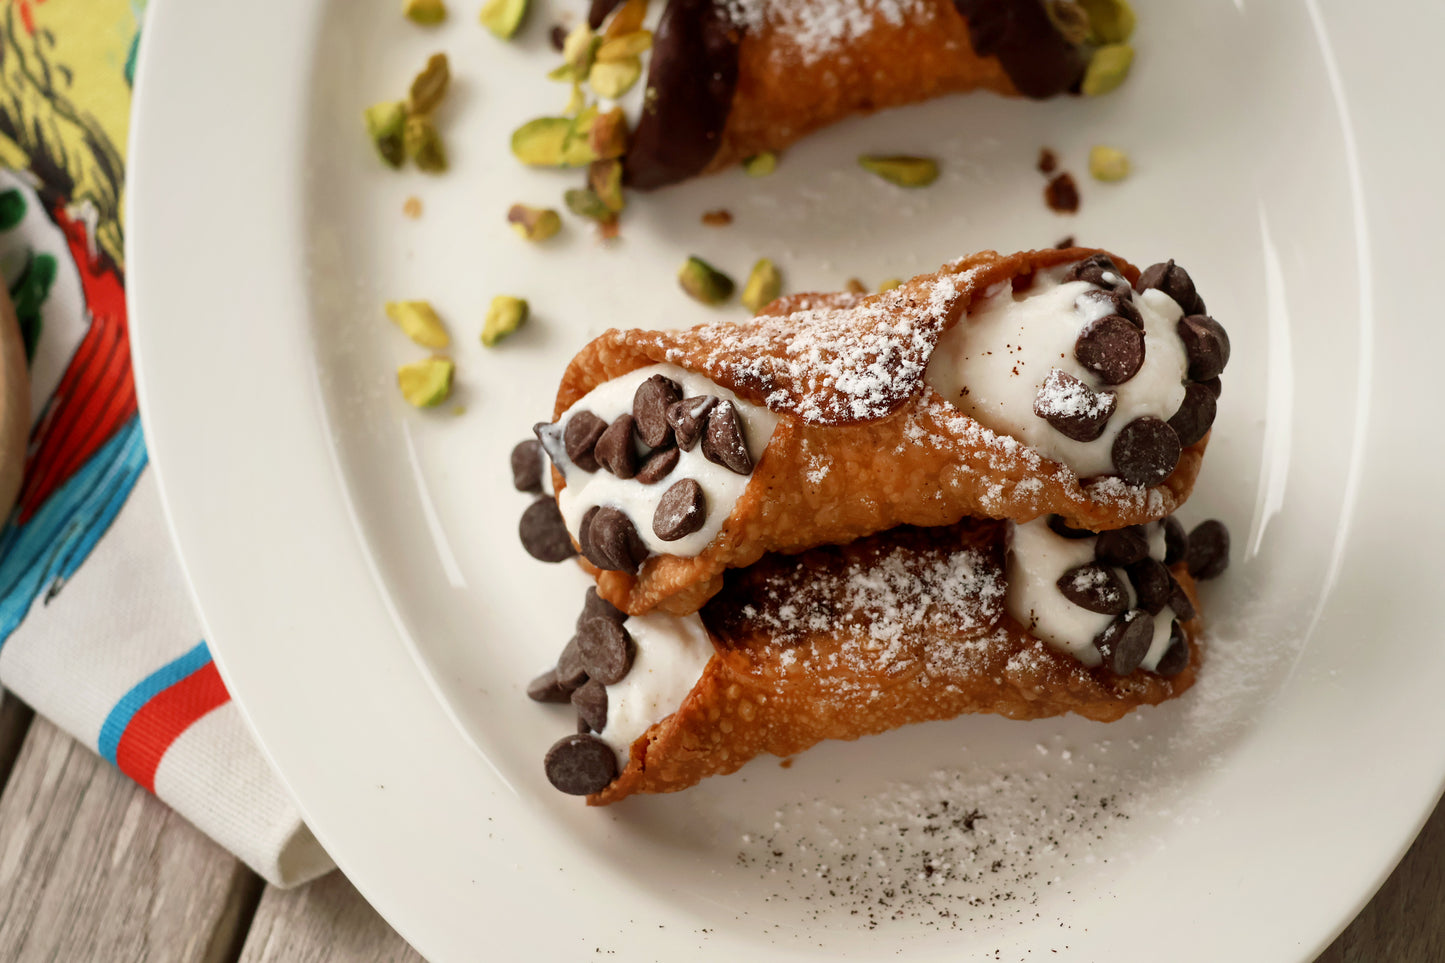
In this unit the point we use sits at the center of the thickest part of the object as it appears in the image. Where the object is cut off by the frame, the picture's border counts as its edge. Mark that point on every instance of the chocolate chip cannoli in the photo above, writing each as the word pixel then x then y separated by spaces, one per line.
pixel 730 79
pixel 1001 386
pixel 911 625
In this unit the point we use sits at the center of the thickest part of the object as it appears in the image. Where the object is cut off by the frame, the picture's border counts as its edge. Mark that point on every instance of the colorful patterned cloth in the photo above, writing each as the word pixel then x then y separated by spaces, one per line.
pixel 97 629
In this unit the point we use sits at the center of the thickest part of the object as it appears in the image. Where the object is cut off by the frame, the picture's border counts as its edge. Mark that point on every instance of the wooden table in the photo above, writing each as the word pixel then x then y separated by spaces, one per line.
pixel 94 868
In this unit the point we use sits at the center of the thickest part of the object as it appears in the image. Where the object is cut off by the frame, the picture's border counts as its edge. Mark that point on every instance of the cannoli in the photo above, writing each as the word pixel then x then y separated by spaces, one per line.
pixel 1001 386
pixel 911 625
pixel 729 79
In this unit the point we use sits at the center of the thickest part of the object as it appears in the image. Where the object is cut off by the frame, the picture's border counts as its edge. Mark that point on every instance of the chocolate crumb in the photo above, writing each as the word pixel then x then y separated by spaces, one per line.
pixel 558 37
pixel 1065 243
pixel 1062 194
pixel 717 218
pixel 1048 163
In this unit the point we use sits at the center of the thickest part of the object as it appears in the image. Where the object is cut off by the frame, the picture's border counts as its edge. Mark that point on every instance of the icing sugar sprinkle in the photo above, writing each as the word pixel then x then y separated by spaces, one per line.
pixel 1060 396
pixel 820 26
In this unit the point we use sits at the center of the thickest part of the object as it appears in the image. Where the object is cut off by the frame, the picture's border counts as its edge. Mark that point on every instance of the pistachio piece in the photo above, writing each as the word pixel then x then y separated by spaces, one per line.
pixel 552 142
pixel 901 169
pixel 580 49
pixel 761 165
pixel 424 12
pixel 627 45
pixel 576 100
pixel 424 144
pixel 605 179
pixel 384 123
pixel 1107 69
pixel 705 283
pixel 584 202
pixel 627 20
pixel 1108 163
pixel 534 223
pixel 890 284
pixel 763 286
pixel 504 17
pixel 1110 21
pixel 608 135
pixel 504 317
pixel 430 86
pixel 613 78
pixel 1069 19
pixel 426 383
pixel 418 320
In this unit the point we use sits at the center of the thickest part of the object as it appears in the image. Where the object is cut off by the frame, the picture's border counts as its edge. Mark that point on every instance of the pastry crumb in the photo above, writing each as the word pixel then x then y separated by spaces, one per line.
pixel 718 218
pixel 412 207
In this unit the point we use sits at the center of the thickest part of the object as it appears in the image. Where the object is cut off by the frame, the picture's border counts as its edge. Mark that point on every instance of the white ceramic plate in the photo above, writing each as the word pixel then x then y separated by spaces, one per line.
pixel 366 597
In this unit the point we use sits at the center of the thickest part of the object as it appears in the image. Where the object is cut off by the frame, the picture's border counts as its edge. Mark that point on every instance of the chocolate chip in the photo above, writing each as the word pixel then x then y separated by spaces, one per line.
pixel 1094 587
pixel 1208 552
pixel 688 419
pixel 580 765
pixel 570 673
pixel 545 688
pixel 1174 281
pixel 590 701
pixel 607 651
pixel 1196 413
pixel 584 538
pixel 580 436
pixel 1059 527
pixel 1175 541
pixel 596 607
pixel 1093 268
pixel 649 407
pixel 1120 302
pixel 1214 385
pixel 1123 546
pixel 1111 348
pixel 528 463
pixel 1125 641
pixel 582 725
pixel 1072 408
pixel 615 541
pixel 543 533
pixel 723 442
pixel 1206 344
pixel 658 465
pixel 615 451
pixel 1062 194
pixel 681 511
pixel 1146 451
pixel 1179 601
pixel 1176 657
pixel 1152 584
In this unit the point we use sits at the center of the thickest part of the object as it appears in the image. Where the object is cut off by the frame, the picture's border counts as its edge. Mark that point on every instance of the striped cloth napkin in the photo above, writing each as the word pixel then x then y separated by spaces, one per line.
pixel 97 629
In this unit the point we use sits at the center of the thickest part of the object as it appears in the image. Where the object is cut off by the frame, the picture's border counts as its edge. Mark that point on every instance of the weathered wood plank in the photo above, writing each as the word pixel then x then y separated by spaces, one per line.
pixel 324 922
pixel 92 867
pixel 1403 923
pixel 15 719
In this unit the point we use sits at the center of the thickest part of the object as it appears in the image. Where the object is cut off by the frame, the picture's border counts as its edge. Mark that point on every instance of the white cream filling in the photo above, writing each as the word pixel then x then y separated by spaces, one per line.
pixel 1037 558
pixel 721 487
pixel 671 654
pixel 992 363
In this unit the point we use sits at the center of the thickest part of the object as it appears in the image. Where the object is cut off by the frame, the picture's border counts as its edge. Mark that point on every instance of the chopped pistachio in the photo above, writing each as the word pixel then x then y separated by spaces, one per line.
pixel 576 100
pixel 761 165
pixel 614 78
pixel 562 72
pixel 764 284
pixel 1107 69
pixel 424 144
pixel 705 283
pixel 424 12
pixel 385 122
pixel 856 286
pixel 627 45
pixel 1069 19
pixel 430 86
pixel 901 169
pixel 504 17
pixel 579 50
pixel 890 284
pixel 534 223
pixel 426 383
pixel 553 142
pixel 584 202
pixel 605 179
pixel 1110 21
pixel 418 320
pixel 1108 163
pixel 628 19
pixel 607 136
pixel 504 317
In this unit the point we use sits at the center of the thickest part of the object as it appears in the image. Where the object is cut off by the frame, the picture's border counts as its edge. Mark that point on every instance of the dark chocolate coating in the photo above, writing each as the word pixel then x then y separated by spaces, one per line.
pixel 1036 57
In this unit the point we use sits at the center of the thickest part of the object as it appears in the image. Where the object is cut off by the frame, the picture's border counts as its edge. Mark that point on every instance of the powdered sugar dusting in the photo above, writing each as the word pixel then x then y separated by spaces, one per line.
pixel 818 27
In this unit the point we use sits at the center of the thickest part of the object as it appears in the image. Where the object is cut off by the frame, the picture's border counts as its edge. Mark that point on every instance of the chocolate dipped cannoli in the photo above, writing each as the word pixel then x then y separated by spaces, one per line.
pixel 1001 386
pixel 910 625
